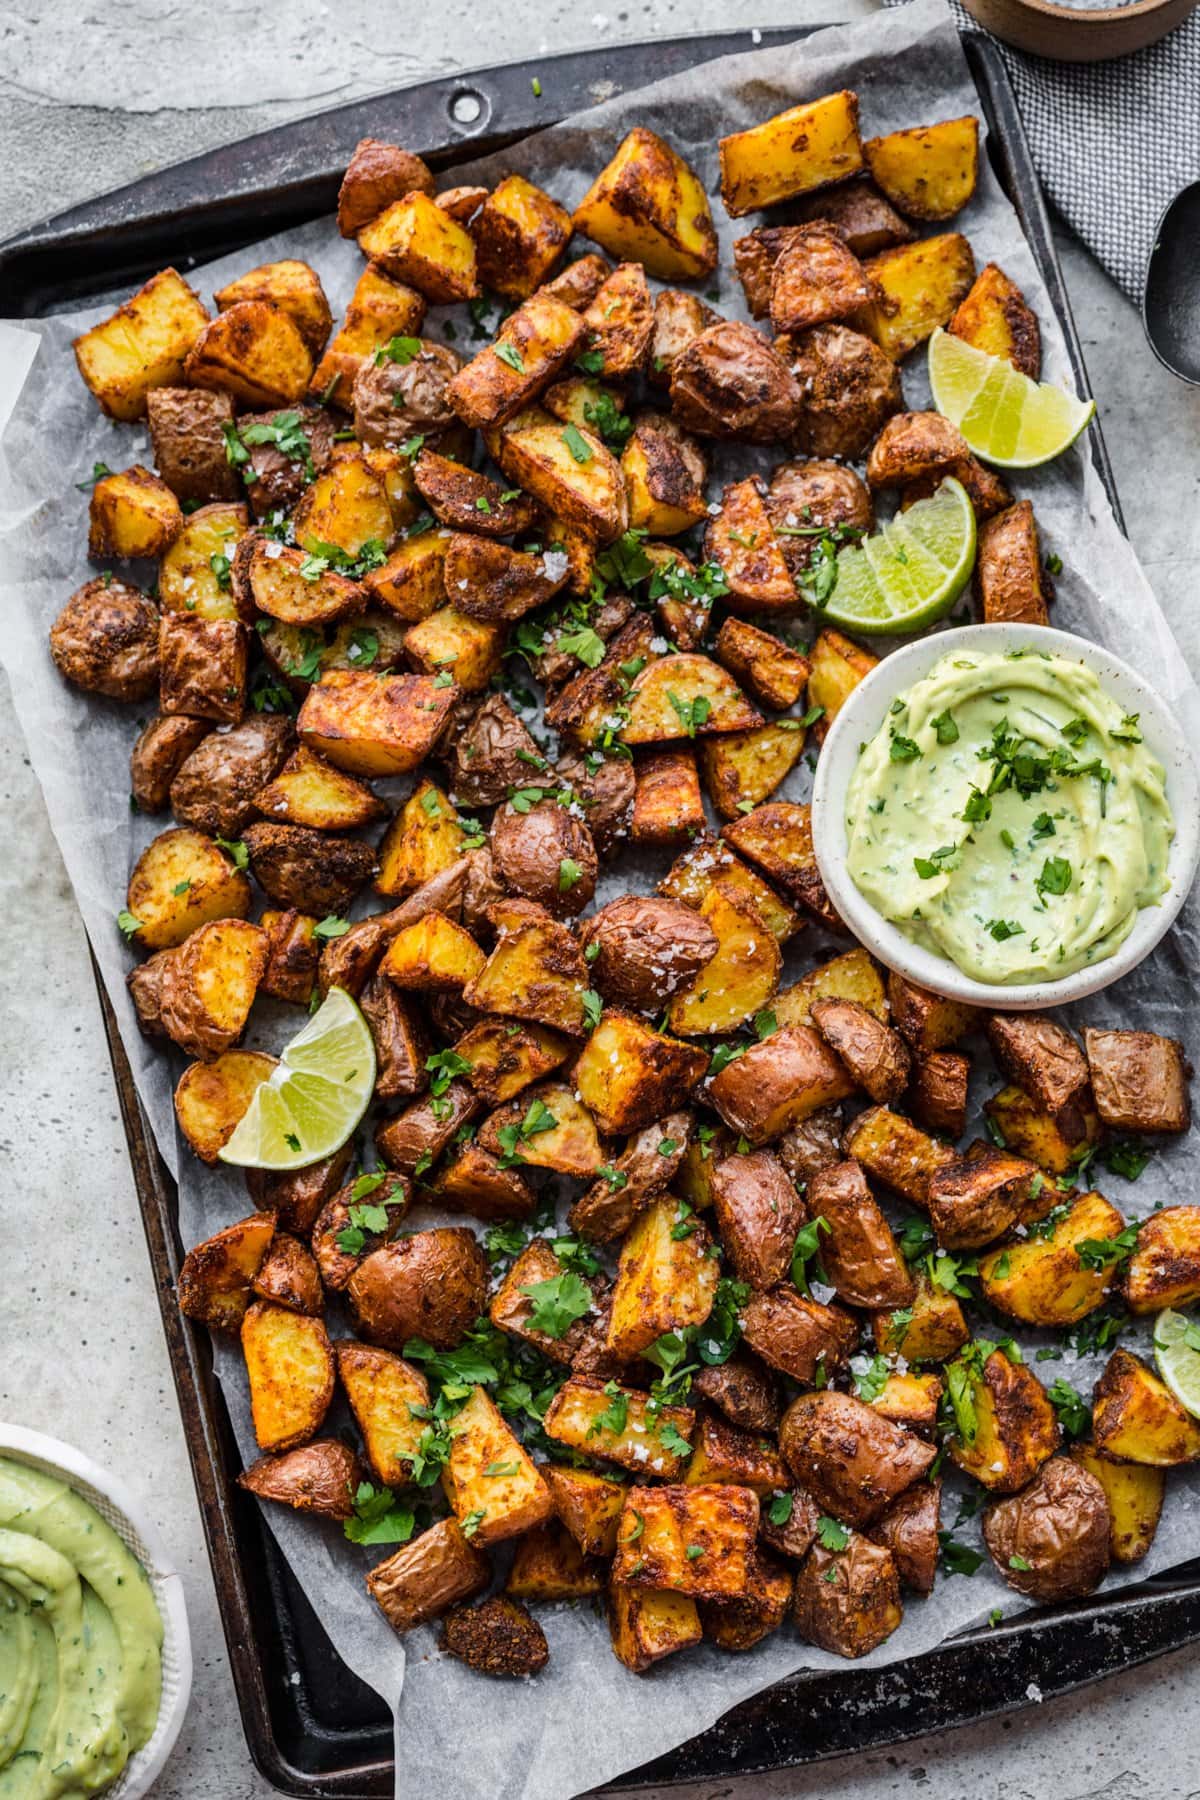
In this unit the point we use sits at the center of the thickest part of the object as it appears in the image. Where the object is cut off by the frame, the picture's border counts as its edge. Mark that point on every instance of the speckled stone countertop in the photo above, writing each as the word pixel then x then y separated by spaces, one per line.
pixel 92 97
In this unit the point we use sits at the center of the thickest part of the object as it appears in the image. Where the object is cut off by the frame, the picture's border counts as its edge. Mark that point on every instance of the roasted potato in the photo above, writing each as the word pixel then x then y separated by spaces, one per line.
pixel 740 539
pixel 288 1276
pixel 535 972
pixel 196 575
pixel 975 1199
pixel 741 975
pixel 761 1609
pixel 666 1280
pixel 295 288
pixel 567 469
pixel 374 724
pixel 850 1459
pixel 513 1303
pixel 758 1213
pixel 216 1276
pixel 496 583
pixel 211 1098
pixel 678 318
pixel 106 640
pixel 1137 1419
pixel 163 745
pixel 796 1335
pixel 1006 1424
pixel 520 233
pixel 209 984
pixel 920 287
pixel 773 672
pixel 216 786
pixel 340 1243
pixel 132 514
pixel 648 205
pixel 690 1540
pixel 937 1091
pixel 1051 1542
pixel 254 351
pixel 306 790
pixel 1138 1078
pixel 743 1390
pixel 647 1624
pixel 310 870
pixel 665 472
pixel 816 280
pixel 424 1577
pixel 865 219
pixel 1164 1270
pixel 915 451
pixel 813 1145
pixel 613 1423
pixel 779 1083
pixel 727 382
pixel 180 882
pixel 777 838
pixel 667 803
pixel 498 1637
pixel 535 343
pixel 546 1128
pixel 433 954
pixel 489 1478
pixel 143 345
pixel 791 154
pixel 589 1505
pixel 646 1166
pixel 293 953
pixel 1134 1492
pixel 929 1329
pixel 1032 1133
pixel 619 322
pixel 852 977
pixel 289 1364
pixel 995 317
pixel 849 388
pixel 544 852
pixel 859 1254
pixel 416 241
pixel 926 1020
pixel 724 1456
pixel 909 1529
pixel 1010 581
pixel 321 1477
pixel 377 174
pixel 396 400
pixel 629 1075
pixel 1042 1057
pixel 876 1056
pixel 928 171
pixel 432 1285
pixel 859 1608
pixel 1045 1279
pixel 381 308
pixel 893 1151
pixel 202 666
pixel 468 501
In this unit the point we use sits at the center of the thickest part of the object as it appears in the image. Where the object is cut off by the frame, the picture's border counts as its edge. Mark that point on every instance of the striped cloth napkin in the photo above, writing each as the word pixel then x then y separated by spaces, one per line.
pixel 1113 141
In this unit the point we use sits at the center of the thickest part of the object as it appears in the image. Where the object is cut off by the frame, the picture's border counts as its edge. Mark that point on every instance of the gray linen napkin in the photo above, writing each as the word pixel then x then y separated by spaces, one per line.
pixel 1113 141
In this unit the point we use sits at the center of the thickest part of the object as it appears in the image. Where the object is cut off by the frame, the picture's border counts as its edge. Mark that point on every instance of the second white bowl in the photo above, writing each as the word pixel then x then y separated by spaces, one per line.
pixel 861 717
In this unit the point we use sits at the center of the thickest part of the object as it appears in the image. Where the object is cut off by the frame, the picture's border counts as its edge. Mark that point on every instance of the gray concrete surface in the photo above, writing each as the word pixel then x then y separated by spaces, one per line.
pixel 92 97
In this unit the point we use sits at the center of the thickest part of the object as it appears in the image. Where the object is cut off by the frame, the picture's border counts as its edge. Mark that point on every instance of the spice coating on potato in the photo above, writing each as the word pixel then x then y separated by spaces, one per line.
pixel 859 1253
pixel 1050 1541
pixel 377 174
pixel 188 442
pixel 852 1461
pixel 497 1637
pixel 321 1477
pixel 105 640
pixel 214 788
pixel 214 1282
pixel 1139 1080
pixel 161 749
pixel 546 853
pixel 850 388
pixel 909 1529
pixel 796 1335
pixel 424 1577
pixel 431 1285
pixel 856 1610
pixel 729 383
pixel 758 1213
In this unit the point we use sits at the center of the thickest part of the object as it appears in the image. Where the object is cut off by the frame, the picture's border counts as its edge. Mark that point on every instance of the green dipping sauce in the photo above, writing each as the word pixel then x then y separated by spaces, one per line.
pixel 80 1643
pixel 1008 817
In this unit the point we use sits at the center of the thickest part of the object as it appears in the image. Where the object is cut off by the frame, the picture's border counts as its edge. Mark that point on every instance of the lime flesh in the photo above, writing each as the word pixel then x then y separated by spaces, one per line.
pixel 1007 419
pixel 910 572
pixel 315 1097
pixel 1177 1353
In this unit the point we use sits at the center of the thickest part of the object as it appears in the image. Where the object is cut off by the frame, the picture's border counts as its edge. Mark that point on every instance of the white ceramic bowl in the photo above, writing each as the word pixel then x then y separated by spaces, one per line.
pixel 861 717
pixel 118 1508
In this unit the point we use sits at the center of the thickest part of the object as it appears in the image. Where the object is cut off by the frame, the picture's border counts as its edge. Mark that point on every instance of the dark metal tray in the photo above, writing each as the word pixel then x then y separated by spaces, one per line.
pixel 312 1727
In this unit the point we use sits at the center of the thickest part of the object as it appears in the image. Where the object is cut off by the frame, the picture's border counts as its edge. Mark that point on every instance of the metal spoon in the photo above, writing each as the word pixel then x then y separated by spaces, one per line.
pixel 1171 301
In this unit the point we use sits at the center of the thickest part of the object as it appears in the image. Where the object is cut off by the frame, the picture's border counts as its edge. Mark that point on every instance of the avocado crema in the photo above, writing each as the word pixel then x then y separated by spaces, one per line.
pixel 80 1643
pixel 1008 816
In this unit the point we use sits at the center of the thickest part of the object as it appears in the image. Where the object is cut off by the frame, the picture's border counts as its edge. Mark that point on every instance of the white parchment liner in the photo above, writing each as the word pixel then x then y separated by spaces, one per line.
pixel 585 1718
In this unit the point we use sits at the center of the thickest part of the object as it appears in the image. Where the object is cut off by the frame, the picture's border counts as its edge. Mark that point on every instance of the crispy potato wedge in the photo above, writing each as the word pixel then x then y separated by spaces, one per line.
pixel 1044 1280
pixel 589 1505
pixel 683 696
pixel 504 1058
pixel 612 1422
pixel 288 1276
pixel 1164 1270
pixel 779 1083
pixel 876 1056
pixel 289 1364
pixel 520 233
pixel 774 673
pixel 194 573
pixel 741 541
pixel 412 582
pixel 850 977
pixel 930 1328
pixel 377 174
pixel 424 1577
pixel 202 665
pixel 667 803
pixel 535 973
pixel 209 984
pixel 646 1624
pixel 211 1098
pixel 380 309
pixel 132 514
pixel 1042 1057
pixel 547 1128
pixel 995 317
pixel 162 747
pixel 851 1460
pixel 1137 1419
pixel 309 791
pixel 665 471
pixel 513 1303
pixel 859 1608
pixel 296 1196
pixel 859 1253
pixel 816 280
pixel 791 154
pixel 293 954
pixel 739 978
pixel 920 287
pixel 938 1091
pixel 346 506
pixel 535 343
pixel 1010 582
pixel 254 351
pixel 798 1336
pixel 567 469
pixel 619 322
pixel 464 499
pixel 725 1456
pixel 777 839
pixel 416 241
pixel 295 288
pixel 758 1212
pixel 893 1151
pixel 910 1400
pixel 690 1540
pixel 432 954
pixel 549 1565
pixel 743 768
pixel 926 1020
pixel 488 1476
pixel 424 838
pixel 761 1608
pixel 664 1282
pixel 837 667
pixel 283 590
pixel 321 1477
pixel 180 882
pixel 401 1044
pixel 649 206
pixel 1134 1492
pixel 578 284
pixel 494 582
pixel 214 1282
pixel 928 171
pixel 374 724
pixel 1007 1426
pixel 628 1075
pixel 143 345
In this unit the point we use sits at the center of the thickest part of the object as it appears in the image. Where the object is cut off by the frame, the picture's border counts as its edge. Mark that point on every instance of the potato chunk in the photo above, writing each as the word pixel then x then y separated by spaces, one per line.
pixel 132 514
pixel 1058 1277
pixel 589 1505
pixel 520 233
pixel 1164 1270
pixel 848 1457
pixel 758 1212
pixel 289 1363
pixel 667 803
pixel 500 1505
pixel 416 241
pixel 255 352
pixel 374 724
pixel 859 1254
pixel 1052 1541
pixel 214 1282
pixel 377 174
pixel 684 696
pixel 535 342
pixel 837 667
pixel 920 285
pixel 568 470
pixel 691 1540
pixel 535 972
pixel 1134 1492
pixel 777 838
pixel 142 345
pixel 1042 1057
pixel 928 171
pixel 1006 1424
pixel 647 1624
pixel 995 318
pixel 1138 1419
pixel 295 288
pixel 548 1129
pixel 664 1282
pixel 180 882
pixel 859 1608
pixel 851 977
pixel 194 575
pixel 1010 582
pixel 798 1336
pixel 432 955
pixel 212 1098
pixel 202 666
pixel 974 1199
pixel 106 640
pixel 779 1083
pixel 649 206
pixel 741 540
pixel 877 1057
pixel 929 1329
pixel 1139 1080
pixel 741 975
pixel 613 1422
pixel 774 673
pixel 665 472
pixel 426 1576
pixel 927 1021
pixel 209 985
pixel 896 1153
pixel 380 309
pixel 792 153
pixel 816 280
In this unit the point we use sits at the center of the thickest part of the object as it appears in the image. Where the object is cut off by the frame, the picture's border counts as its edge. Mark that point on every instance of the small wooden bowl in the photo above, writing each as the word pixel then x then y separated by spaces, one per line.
pixel 1078 34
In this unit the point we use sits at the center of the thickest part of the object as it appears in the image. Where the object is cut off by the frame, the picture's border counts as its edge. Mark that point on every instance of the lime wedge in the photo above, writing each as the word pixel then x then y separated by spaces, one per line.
pixel 1006 419
pixel 910 572
pixel 314 1099
pixel 1177 1353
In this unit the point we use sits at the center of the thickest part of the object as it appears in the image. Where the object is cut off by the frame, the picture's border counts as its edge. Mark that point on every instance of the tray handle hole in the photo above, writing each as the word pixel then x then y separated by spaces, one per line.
pixel 468 109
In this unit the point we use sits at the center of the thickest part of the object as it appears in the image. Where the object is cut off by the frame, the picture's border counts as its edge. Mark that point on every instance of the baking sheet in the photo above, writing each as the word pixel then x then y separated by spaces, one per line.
pixel 545 1741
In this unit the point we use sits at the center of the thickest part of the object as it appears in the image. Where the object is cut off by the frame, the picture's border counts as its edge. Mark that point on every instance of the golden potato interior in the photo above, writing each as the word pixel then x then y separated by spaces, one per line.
pixel 180 882
pixel 739 980
pixel 664 1283
pixel 194 574
pixel 796 151
pixel 289 1363
pixel 212 1098
pixel 142 345
pixel 928 171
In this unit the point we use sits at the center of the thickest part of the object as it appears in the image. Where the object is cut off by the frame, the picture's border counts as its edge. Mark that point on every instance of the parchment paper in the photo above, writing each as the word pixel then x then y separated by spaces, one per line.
pixel 585 1719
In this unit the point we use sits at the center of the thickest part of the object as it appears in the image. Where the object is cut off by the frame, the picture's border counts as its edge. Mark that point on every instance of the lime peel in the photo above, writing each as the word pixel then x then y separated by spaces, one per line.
pixel 909 573
pixel 1178 1359
pixel 1005 418
pixel 316 1096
